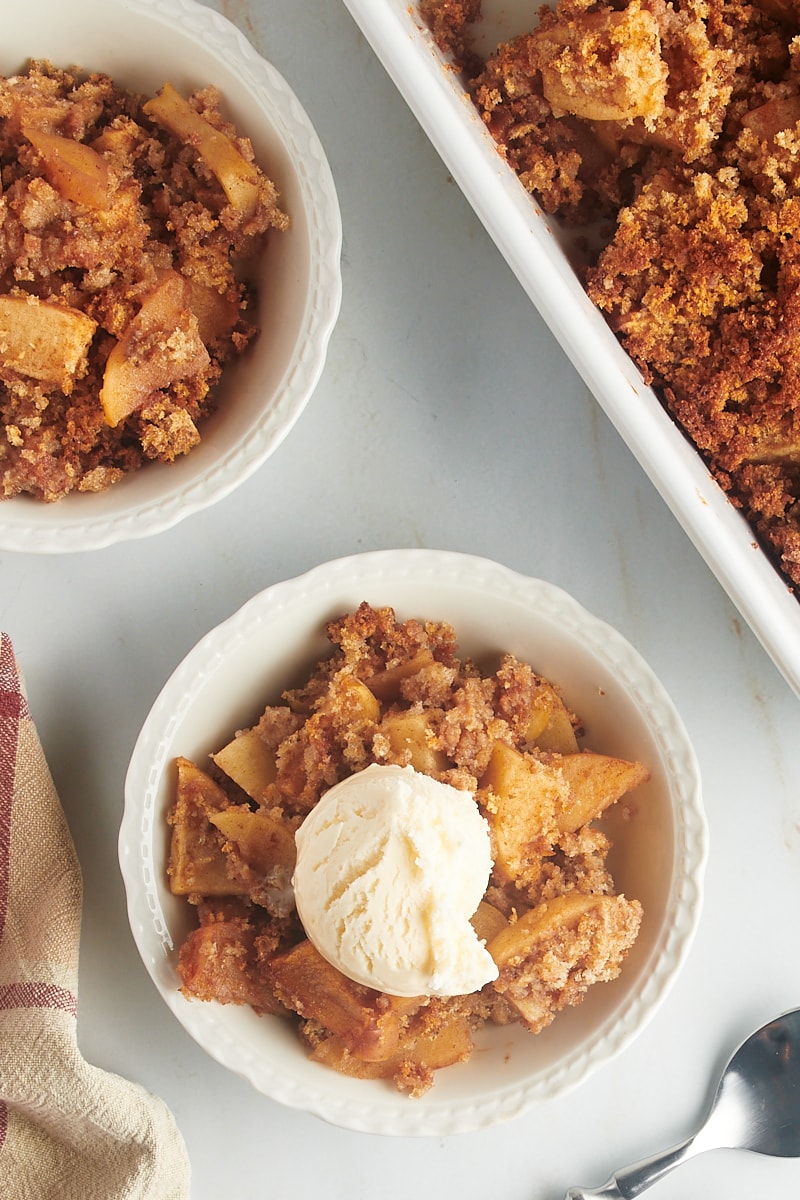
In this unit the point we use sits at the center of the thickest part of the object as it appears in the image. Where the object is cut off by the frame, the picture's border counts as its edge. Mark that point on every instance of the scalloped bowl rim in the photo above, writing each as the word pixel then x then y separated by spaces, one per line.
pixel 479 593
pixel 202 47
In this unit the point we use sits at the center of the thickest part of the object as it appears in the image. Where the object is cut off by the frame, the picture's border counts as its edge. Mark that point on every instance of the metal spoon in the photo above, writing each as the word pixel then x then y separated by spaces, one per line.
pixel 756 1107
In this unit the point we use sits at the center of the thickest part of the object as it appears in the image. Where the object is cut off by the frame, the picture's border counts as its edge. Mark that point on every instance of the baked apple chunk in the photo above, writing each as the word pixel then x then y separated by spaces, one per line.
pixel 160 346
pixel 552 955
pixel 197 864
pixel 366 1022
pixel 77 171
pixel 603 66
pixel 43 340
pixel 238 178
pixel 220 961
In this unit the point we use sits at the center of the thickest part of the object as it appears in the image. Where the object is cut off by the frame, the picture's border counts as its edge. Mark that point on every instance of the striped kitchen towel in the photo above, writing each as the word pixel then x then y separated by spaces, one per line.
pixel 68 1130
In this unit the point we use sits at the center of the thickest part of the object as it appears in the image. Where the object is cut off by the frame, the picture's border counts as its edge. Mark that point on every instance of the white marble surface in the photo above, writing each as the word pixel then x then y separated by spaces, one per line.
pixel 447 417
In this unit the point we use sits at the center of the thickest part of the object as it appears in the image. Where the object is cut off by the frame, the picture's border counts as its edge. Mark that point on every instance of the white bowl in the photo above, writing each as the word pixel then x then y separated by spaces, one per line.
pixel 531 244
pixel 141 44
pixel 658 857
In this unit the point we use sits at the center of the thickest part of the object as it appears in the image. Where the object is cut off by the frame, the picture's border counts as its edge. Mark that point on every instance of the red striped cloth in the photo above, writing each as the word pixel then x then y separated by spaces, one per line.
pixel 67 1129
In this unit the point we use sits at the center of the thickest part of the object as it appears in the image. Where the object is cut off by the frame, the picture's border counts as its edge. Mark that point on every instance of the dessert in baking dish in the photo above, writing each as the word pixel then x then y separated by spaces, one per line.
pixel 670 127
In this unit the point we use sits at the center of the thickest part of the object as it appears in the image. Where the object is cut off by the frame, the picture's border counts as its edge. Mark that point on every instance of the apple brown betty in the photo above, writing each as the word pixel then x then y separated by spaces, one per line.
pixel 674 123
pixel 397 692
pixel 124 223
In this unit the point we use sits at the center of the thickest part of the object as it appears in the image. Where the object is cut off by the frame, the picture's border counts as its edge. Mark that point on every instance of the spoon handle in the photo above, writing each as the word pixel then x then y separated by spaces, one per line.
pixel 633 1180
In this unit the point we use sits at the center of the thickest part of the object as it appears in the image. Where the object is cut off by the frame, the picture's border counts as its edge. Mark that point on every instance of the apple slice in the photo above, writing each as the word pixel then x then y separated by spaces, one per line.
pixel 44 341
pixel 238 178
pixel 159 346
pixel 216 314
pixel 76 171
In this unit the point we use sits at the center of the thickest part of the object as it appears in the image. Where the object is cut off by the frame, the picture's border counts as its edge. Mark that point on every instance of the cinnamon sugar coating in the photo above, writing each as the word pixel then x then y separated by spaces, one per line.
pixel 673 125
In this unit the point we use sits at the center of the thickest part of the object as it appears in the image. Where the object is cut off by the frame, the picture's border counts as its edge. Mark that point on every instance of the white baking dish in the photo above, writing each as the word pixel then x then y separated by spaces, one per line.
pixel 531 244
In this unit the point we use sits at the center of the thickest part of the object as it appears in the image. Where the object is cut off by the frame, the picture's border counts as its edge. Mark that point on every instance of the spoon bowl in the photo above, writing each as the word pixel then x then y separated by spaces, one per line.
pixel 756 1107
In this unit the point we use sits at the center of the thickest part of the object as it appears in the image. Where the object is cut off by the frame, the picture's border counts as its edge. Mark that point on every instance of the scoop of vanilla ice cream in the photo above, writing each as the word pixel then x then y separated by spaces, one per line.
pixel 391 865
